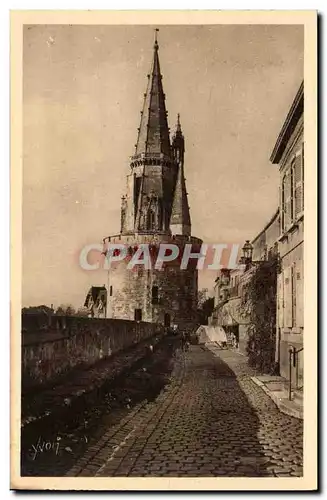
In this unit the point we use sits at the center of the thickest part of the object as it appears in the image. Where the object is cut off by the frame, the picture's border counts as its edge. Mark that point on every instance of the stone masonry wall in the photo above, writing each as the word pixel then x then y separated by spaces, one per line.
pixel 132 289
pixel 71 341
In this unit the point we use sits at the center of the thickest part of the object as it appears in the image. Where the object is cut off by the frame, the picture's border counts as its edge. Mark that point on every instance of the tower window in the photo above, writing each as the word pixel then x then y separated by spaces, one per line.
pixel 110 290
pixel 138 314
pixel 137 187
pixel 151 220
pixel 167 319
pixel 155 295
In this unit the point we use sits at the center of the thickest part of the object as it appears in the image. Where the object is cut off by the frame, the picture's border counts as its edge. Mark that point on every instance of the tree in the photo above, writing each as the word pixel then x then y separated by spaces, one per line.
pixel 206 310
pixel 202 297
pixel 66 310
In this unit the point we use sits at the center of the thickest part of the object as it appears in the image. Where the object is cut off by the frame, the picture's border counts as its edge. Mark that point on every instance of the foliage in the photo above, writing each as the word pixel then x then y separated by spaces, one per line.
pixel 205 310
pixel 83 311
pixel 202 297
pixel 37 310
pixel 66 309
pixel 259 303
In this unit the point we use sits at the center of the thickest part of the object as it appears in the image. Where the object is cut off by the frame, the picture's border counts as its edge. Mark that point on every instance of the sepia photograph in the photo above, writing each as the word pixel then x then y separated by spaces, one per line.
pixel 163 171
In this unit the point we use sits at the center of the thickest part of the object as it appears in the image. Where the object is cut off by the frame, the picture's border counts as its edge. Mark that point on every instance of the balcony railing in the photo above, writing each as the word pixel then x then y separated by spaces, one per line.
pixel 151 156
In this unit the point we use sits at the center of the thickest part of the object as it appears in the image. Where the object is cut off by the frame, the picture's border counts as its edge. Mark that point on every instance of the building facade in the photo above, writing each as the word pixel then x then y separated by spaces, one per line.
pixel 231 284
pixel 155 210
pixel 288 154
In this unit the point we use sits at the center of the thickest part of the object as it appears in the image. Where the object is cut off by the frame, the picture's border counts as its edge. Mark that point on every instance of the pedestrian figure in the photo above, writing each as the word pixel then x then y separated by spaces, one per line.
pixel 184 342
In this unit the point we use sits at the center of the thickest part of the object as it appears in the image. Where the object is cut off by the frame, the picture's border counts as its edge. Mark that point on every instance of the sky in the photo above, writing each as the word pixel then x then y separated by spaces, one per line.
pixel 83 91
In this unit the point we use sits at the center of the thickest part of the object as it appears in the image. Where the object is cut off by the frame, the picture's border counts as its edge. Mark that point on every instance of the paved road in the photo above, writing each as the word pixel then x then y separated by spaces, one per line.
pixel 211 420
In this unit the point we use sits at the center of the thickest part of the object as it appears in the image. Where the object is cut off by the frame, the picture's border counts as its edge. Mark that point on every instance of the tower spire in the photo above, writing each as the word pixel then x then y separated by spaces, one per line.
pixel 178 145
pixel 153 134
pixel 156 38
pixel 178 127
pixel 180 220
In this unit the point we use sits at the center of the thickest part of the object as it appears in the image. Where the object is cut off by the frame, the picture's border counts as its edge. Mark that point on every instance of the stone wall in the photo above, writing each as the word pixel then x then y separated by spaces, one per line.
pixel 176 294
pixel 132 289
pixel 68 341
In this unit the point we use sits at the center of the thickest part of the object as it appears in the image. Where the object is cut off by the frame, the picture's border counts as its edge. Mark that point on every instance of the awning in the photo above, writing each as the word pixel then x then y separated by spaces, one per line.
pixel 207 333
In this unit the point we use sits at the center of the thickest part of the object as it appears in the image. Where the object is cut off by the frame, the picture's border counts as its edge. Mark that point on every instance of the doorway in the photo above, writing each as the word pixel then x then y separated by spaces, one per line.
pixel 167 320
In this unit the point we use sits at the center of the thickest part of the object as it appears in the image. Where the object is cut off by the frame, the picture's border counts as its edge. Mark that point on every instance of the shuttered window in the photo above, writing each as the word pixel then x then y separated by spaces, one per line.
pixel 292 184
pixel 292 192
pixel 299 293
pixel 298 186
pixel 288 200
pixel 282 206
pixel 288 296
pixel 280 299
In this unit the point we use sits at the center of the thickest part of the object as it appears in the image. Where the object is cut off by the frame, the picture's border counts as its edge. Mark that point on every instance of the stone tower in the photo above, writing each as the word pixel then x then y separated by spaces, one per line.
pixel 155 210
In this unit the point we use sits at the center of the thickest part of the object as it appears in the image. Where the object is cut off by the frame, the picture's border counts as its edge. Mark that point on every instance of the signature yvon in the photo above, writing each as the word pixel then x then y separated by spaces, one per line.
pixel 45 446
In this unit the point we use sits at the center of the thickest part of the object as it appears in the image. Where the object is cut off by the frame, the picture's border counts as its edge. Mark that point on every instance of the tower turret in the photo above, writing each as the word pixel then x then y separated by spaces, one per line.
pixel 178 143
pixel 180 220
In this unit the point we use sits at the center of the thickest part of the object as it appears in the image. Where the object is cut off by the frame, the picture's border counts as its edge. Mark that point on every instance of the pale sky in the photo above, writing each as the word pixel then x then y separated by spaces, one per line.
pixel 83 92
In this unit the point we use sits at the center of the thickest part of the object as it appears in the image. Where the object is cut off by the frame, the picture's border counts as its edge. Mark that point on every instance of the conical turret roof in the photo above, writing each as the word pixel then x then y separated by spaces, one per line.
pixel 180 213
pixel 153 136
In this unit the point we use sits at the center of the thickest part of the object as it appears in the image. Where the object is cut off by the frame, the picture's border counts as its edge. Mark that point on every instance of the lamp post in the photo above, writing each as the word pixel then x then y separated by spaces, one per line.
pixel 247 251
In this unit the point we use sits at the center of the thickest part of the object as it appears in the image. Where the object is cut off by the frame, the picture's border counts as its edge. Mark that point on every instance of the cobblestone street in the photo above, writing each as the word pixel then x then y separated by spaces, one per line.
pixel 210 420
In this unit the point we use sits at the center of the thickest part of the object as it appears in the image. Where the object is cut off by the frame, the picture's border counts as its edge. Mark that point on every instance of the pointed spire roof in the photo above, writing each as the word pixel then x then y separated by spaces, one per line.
pixel 153 136
pixel 178 126
pixel 180 214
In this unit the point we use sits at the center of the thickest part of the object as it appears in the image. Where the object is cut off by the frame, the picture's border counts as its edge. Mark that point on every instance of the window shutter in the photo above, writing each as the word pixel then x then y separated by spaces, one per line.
pixel 282 205
pixel 298 185
pixel 299 293
pixel 288 199
pixel 292 182
pixel 280 299
pixel 287 298
pixel 294 289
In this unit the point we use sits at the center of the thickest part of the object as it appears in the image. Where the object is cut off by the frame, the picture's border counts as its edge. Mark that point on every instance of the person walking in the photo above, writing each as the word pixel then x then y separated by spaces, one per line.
pixel 183 341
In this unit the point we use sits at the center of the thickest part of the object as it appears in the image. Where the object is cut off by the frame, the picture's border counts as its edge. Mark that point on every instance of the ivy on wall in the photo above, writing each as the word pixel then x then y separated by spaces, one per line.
pixel 258 302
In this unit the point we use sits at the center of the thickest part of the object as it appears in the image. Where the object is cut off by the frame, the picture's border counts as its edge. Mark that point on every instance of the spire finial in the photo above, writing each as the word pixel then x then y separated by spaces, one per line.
pixel 178 126
pixel 156 38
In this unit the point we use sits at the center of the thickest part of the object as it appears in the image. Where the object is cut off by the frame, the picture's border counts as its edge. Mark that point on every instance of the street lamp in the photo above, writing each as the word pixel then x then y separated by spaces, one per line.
pixel 247 251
